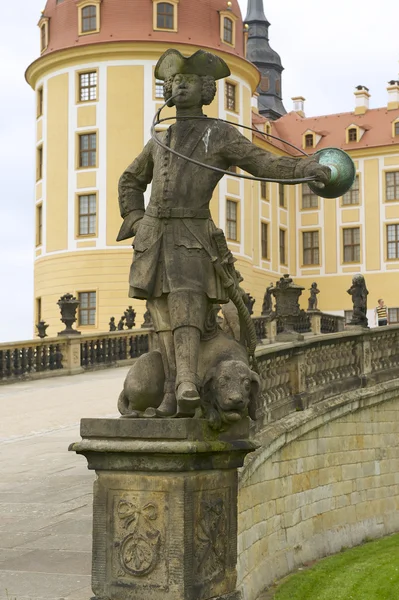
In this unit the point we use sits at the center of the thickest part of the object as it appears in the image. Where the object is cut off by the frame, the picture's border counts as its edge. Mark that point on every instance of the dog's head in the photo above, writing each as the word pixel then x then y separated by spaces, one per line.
pixel 229 392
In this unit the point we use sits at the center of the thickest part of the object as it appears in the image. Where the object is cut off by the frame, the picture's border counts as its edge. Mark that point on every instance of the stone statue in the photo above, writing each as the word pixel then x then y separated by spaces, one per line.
pixel 181 262
pixel 359 294
pixel 312 301
pixel 112 326
pixel 130 317
pixel 267 306
pixel 249 302
pixel 121 323
pixel 147 318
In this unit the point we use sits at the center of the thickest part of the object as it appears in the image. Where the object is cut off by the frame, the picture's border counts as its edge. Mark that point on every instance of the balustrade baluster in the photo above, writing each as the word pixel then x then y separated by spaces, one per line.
pixel 44 361
pixel 23 360
pixel 51 357
pixel 58 357
pixel 92 352
pixel 16 362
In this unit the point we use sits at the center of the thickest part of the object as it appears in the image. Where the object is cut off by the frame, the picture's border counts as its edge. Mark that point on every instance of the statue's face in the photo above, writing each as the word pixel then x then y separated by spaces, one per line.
pixel 189 90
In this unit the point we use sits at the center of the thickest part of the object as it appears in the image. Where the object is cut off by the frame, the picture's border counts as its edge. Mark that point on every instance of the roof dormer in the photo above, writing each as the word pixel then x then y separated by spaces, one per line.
pixel 228 26
pixel 354 133
pixel 310 139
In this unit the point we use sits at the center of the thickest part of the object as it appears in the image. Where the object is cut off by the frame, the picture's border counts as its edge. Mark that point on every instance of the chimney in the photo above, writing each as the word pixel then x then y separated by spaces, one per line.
pixel 362 97
pixel 393 94
pixel 299 105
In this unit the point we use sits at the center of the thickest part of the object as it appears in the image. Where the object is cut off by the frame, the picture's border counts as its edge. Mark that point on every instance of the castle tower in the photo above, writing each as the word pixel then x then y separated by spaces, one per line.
pixel 260 53
pixel 96 97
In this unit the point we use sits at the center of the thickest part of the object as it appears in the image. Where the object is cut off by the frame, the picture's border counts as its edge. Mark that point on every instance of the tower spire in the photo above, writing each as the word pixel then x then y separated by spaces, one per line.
pixel 260 53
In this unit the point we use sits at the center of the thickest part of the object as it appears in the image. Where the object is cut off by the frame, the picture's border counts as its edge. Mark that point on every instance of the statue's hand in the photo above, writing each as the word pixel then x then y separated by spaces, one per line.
pixel 310 167
pixel 130 225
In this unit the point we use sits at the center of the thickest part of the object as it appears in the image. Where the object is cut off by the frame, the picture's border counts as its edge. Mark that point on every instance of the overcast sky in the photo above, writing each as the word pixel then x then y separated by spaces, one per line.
pixel 326 49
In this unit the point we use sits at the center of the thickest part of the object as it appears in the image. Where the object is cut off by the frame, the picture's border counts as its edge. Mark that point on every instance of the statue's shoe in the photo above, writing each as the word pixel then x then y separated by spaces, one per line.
pixel 168 406
pixel 188 399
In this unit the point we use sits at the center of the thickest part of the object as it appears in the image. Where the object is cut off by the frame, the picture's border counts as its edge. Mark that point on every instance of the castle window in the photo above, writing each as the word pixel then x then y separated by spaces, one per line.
pixel 39 225
pixel 263 190
pixel 397 128
pixel 283 258
pixel 88 86
pixel 309 198
pixel 351 245
pixel 231 220
pixel 39 163
pixel 44 33
pixel 392 242
pixel 264 237
pixel 88 150
pixel 165 16
pixel 228 30
pixel 352 195
pixel 230 99
pixel 393 315
pixel 39 102
pixel 309 140
pixel 311 254
pixel 352 135
pixel 87 308
pixel 89 18
pixel 392 185
pixel 158 88
pixel 281 195
pixel 87 214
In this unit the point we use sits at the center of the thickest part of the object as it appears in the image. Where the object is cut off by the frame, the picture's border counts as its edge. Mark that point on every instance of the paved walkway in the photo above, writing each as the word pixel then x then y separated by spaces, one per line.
pixel 45 491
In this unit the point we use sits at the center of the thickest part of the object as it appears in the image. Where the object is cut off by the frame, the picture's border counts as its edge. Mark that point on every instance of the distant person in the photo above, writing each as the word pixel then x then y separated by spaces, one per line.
pixel 381 313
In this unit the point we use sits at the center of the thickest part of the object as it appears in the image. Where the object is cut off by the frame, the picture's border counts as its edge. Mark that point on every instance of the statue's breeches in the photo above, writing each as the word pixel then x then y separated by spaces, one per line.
pixel 174 254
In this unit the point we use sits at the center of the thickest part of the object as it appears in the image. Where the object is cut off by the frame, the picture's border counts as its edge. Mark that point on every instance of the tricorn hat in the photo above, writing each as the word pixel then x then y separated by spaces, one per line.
pixel 200 63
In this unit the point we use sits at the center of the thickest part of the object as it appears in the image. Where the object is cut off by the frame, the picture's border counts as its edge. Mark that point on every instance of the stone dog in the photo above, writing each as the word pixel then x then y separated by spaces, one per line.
pixel 229 388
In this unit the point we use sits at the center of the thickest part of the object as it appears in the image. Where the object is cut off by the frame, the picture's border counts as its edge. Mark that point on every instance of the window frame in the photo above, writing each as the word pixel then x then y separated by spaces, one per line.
pixel 39 102
pixel 228 31
pixel 282 236
pixel 39 162
pixel 309 194
pixel 395 173
pixel 81 5
pixel 39 225
pixel 281 196
pixel 313 248
pixel 309 137
pixel 395 128
pixel 230 220
pixel 353 135
pixel 264 241
pixel 351 245
pixel 79 86
pixel 230 85
pixel 174 4
pixel 350 192
pixel 263 190
pixel 89 214
pixel 79 165
pixel 395 241
pixel 44 33
pixel 227 14
pixel 391 320
pixel 88 309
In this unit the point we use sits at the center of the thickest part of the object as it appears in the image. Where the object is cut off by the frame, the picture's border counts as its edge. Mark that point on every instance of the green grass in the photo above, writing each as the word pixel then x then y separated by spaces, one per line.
pixel 367 572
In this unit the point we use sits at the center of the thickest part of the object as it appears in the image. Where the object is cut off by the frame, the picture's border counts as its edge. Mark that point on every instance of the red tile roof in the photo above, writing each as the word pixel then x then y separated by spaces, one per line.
pixel 377 123
pixel 128 20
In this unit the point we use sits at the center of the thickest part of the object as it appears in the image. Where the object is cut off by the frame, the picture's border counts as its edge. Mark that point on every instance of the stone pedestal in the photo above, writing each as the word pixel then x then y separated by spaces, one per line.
pixel 164 508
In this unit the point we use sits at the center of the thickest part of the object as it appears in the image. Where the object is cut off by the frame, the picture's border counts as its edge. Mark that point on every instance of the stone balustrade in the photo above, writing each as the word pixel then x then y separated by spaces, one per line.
pixel 68 355
pixel 297 375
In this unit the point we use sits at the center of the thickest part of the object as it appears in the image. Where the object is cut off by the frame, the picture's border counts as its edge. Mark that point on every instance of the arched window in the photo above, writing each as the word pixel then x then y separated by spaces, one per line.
pixel 165 15
pixel 228 30
pixel 89 18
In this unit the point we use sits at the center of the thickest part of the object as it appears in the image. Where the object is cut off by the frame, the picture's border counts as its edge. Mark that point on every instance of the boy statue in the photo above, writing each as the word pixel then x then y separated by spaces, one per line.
pixel 173 265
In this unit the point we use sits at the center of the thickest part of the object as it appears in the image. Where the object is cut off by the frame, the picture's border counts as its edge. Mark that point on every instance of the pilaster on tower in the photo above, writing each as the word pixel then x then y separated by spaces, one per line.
pixel 268 62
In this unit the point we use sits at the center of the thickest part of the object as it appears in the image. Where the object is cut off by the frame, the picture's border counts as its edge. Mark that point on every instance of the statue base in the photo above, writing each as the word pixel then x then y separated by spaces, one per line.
pixel 164 507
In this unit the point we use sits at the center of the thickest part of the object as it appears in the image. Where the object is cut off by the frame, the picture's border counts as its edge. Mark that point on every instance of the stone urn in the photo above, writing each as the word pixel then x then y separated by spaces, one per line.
pixel 288 311
pixel 68 306
pixel 130 317
pixel 41 329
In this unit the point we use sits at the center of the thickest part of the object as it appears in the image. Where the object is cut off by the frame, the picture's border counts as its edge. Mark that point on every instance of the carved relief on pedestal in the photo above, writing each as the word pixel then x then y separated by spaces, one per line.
pixel 210 539
pixel 139 538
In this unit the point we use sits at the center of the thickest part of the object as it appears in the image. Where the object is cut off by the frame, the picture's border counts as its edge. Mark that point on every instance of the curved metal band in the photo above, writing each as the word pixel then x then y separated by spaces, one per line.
pixel 158 121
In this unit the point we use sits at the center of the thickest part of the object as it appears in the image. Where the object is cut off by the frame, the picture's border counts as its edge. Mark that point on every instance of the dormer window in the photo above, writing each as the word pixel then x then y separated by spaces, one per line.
pixel 89 16
pixel 44 33
pixel 396 128
pixel 228 30
pixel 352 135
pixel 228 27
pixel 309 140
pixel 165 15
